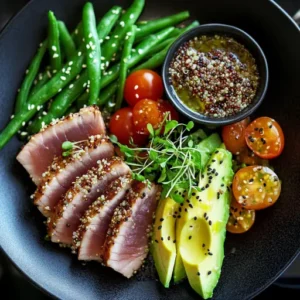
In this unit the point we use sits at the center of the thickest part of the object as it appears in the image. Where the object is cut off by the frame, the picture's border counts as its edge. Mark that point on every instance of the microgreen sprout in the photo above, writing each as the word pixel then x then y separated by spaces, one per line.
pixel 171 158
pixel 70 148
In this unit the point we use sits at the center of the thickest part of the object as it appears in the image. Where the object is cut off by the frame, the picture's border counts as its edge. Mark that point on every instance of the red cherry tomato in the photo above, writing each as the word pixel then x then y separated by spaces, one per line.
pixel 143 84
pixel 146 112
pixel 165 106
pixel 256 187
pixel 265 138
pixel 234 136
pixel 121 125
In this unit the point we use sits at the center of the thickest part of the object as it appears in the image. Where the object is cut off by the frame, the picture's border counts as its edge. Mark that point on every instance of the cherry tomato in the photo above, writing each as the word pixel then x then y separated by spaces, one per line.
pixel 265 138
pixel 249 158
pixel 165 106
pixel 240 219
pixel 143 84
pixel 146 112
pixel 256 187
pixel 121 125
pixel 234 136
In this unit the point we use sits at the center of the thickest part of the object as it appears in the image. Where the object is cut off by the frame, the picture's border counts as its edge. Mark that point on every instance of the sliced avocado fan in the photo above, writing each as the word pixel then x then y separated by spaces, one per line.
pixel 201 229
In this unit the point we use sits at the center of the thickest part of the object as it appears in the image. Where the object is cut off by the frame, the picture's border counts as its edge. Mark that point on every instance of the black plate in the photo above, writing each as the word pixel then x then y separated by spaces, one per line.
pixel 259 256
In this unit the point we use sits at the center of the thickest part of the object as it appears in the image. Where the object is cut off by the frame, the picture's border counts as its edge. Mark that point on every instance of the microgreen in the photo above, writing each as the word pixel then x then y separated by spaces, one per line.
pixel 171 158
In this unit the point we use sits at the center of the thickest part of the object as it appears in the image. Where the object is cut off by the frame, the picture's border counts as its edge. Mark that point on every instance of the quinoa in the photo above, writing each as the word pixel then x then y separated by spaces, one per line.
pixel 214 75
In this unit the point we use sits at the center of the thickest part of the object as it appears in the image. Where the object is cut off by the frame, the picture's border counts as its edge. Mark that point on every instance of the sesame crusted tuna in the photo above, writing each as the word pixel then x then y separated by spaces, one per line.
pixel 38 154
pixel 90 237
pixel 84 191
pixel 64 170
pixel 129 234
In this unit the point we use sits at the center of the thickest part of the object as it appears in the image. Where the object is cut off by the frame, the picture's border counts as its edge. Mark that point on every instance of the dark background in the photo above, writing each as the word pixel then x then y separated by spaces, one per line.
pixel 12 283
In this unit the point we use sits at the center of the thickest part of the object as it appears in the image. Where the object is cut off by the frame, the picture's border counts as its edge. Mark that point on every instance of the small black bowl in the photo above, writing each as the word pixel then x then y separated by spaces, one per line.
pixel 243 38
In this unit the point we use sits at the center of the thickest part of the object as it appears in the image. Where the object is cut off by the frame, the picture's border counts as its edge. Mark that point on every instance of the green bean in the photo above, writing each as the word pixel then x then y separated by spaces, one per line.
pixel 82 100
pixel 158 59
pixel 52 87
pixel 60 104
pixel 77 35
pixel 67 42
pixel 93 51
pixel 110 47
pixel 71 110
pixel 158 24
pixel 53 42
pixel 129 40
pixel 107 93
pixel 31 73
pixel 174 34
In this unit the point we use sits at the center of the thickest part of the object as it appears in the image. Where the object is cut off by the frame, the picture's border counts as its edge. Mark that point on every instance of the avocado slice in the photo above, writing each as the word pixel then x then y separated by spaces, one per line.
pixel 163 240
pixel 201 229
pixel 207 147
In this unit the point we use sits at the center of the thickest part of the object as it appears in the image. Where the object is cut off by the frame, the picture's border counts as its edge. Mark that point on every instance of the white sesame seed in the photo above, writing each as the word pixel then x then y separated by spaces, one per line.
pixel 54 48
pixel 41 44
pixel 70 63
pixel 107 63
pixel 76 31
pixel 140 51
pixel 23 124
pixel 59 90
pixel 91 55
pixel 138 29
pixel 71 86
pixel 12 116
pixel 95 60
pixel 84 85
pixel 83 66
pixel 63 78
pixel 79 53
pixel 18 90
pixel 23 133
pixel 54 71
pixel 90 35
pixel 78 76
pixel 137 96
pixel 113 45
pixel 101 41
pixel 49 74
pixel 136 87
pixel 27 71
pixel 108 37
pixel 122 23
pixel 55 55
pixel 93 47
pixel 32 106
pixel 131 16
pixel 87 46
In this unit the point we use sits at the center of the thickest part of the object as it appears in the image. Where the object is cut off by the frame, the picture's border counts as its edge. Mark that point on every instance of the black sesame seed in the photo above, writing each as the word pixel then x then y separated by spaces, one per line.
pixel 210 177
pixel 156 241
pixel 209 272
pixel 161 219
pixel 216 173
pixel 270 126
pixel 195 218
pixel 169 238
pixel 222 184
pixel 205 214
pixel 185 210
pixel 217 152
pixel 203 188
pixel 188 201
pixel 209 222
pixel 256 129
pixel 251 180
pixel 159 227
pixel 221 161
pixel 207 186
pixel 180 209
pixel 203 245
pixel 193 194
pixel 198 273
pixel 265 184
pixel 209 253
pixel 174 216
pixel 190 237
pixel 162 238
pixel 174 241
pixel 181 204
pixel 179 216
pixel 190 205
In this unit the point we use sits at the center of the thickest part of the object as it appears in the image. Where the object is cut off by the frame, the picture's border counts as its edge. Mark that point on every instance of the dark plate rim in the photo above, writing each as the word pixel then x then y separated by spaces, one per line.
pixel 52 293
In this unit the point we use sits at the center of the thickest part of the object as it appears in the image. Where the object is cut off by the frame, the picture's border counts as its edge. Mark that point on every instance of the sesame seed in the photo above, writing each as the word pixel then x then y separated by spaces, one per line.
pixel 79 53
pixel 55 55
pixel 84 66
pixel 122 23
pixel 63 78
pixel 54 48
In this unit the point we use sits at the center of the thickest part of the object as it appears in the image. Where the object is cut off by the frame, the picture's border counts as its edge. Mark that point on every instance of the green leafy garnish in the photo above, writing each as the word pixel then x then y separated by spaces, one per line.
pixel 171 158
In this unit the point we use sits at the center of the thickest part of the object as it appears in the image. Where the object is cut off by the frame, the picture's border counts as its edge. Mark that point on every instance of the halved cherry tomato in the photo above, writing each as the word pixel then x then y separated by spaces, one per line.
pixel 146 112
pixel 121 125
pixel 143 84
pixel 265 138
pixel 249 158
pixel 256 187
pixel 240 219
pixel 234 136
pixel 165 107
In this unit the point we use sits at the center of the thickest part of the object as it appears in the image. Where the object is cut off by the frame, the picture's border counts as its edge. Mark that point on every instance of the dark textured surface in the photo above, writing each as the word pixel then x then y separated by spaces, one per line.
pixel 260 256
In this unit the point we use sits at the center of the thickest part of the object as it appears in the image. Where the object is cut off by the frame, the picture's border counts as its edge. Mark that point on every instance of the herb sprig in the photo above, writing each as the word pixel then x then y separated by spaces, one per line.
pixel 171 158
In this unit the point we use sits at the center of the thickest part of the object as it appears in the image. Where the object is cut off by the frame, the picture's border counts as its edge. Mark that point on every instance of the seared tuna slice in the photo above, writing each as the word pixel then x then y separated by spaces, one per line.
pixel 85 190
pixel 129 234
pixel 38 154
pixel 91 234
pixel 64 170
